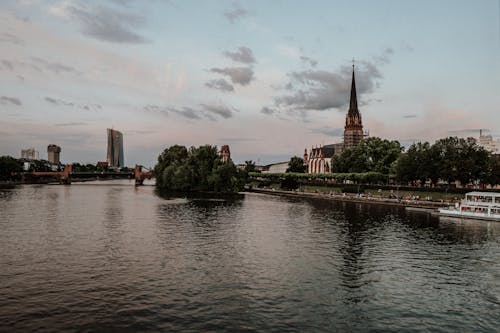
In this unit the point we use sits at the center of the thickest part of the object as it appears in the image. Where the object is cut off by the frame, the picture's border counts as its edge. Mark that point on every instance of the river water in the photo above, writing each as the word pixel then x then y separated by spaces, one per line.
pixel 111 257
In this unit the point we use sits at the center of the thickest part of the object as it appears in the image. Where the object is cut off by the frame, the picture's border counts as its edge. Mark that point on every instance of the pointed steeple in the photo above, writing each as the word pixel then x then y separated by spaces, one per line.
pixel 353 104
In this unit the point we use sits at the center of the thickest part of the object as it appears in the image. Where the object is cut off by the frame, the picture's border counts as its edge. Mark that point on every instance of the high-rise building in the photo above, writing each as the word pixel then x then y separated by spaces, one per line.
pixel 114 156
pixel 29 154
pixel 53 152
pixel 353 130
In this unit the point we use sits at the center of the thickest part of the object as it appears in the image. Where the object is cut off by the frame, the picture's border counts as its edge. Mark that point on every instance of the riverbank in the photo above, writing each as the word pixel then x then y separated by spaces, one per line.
pixel 359 198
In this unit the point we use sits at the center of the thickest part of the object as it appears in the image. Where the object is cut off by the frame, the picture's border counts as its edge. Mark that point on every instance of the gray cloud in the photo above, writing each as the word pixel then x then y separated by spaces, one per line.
pixel 8 64
pixel 267 110
pixel 236 13
pixel 322 90
pixel 384 57
pixel 107 24
pixel 57 101
pixel 70 124
pixel 329 131
pixel 220 84
pixel 54 66
pixel 185 112
pixel 10 38
pixel 207 110
pixel 219 109
pixel 409 116
pixel 467 131
pixel 308 60
pixel 5 100
pixel 243 55
pixel 238 75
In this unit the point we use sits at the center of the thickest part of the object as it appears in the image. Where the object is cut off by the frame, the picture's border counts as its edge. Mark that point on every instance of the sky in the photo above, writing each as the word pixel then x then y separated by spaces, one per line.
pixel 268 78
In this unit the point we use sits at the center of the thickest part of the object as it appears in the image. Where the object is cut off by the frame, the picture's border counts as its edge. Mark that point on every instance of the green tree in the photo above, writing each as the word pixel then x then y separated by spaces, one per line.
pixel 371 155
pixel 296 164
pixel 250 166
pixel 8 166
pixel 196 169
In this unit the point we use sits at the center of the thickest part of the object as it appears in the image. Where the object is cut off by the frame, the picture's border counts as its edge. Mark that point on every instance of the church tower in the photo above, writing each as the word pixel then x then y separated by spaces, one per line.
pixel 353 130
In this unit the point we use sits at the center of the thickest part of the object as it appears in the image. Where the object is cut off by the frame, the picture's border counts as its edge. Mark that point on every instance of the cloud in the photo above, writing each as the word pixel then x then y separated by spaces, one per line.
pixel 243 55
pixel 467 131
pixel 409 116
pixel 220 84
pixel 8 64
pixel 322 90
pixel 267 110
pixel 238 75
pixel 5 100
pixel 236 13
pixel 102 23
pixel 308 60
pixel 70 124
pixel 6 37
pixel 57 101
pixel 185 112
pixel 329 131
pixel 207 110
pixel 219 109
pixel 54 67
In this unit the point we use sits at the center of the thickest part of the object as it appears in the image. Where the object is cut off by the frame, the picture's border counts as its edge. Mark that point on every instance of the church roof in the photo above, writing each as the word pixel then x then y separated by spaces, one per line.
pixel 353 104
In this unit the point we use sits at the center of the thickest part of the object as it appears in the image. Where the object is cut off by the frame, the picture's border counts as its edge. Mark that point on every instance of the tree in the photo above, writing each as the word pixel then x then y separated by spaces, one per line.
pixel 8 166
pixel 371 155
pixel 296 164
pixel 196 169
pixel 250 166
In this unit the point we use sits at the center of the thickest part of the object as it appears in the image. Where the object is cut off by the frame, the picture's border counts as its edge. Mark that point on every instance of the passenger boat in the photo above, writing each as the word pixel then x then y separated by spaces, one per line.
pixel 476 205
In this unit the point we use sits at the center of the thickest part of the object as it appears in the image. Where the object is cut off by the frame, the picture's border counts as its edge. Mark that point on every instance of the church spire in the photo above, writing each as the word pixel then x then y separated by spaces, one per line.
pixel 353 105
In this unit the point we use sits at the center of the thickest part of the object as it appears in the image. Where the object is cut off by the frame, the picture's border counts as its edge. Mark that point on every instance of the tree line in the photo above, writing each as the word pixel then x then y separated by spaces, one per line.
pixel 450 159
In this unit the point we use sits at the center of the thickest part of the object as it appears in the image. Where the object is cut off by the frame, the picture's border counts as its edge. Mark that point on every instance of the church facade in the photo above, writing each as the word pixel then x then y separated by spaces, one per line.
pixel 318 159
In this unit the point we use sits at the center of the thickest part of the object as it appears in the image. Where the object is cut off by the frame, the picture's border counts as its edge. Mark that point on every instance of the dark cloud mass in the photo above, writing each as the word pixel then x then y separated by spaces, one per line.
pixel 238 75
pixel 107 24
pixel 236 13
pixel 220 84
pixel 243 55
pixel 5 100
pixel 322 90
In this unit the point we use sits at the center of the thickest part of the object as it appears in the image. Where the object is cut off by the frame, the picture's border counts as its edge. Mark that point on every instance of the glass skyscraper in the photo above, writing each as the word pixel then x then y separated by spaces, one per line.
pixel 115 149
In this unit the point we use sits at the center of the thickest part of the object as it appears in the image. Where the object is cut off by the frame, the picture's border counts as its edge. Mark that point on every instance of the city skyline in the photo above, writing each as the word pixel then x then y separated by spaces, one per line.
pixel 267 79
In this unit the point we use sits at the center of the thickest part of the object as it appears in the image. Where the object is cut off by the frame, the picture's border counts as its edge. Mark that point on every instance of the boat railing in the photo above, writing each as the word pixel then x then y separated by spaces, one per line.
pixel 465 202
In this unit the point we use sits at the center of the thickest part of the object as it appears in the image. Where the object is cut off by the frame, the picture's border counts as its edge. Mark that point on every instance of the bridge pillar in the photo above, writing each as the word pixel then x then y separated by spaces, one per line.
pixel 138 175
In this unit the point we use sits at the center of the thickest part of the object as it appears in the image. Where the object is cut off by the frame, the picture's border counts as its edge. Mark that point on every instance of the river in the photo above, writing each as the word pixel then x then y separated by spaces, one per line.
pixel 108 256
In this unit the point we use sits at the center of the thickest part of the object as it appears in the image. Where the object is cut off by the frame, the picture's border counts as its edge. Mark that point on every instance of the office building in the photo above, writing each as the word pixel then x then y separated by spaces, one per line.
pixel 53 152
pixel 29 154
pixel 114 155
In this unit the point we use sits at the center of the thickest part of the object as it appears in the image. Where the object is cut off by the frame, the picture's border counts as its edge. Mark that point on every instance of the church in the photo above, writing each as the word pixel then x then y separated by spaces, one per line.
pixel 318 160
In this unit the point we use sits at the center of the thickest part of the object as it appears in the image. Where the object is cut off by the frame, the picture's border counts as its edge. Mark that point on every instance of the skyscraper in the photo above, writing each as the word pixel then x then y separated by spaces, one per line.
pixel 29 154
pixel 53 153
pixel 115 149
pixel 353 130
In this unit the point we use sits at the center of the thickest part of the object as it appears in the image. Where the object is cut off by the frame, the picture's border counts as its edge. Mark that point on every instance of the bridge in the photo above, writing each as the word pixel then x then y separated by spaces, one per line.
pixel 65 176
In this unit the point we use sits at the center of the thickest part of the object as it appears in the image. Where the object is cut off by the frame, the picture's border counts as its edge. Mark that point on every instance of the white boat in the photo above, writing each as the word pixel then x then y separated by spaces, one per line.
pixel 476 205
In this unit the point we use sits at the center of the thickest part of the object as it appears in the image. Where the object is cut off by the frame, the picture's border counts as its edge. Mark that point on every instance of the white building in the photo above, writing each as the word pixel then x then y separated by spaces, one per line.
pixel 487 142
pixel 279 167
